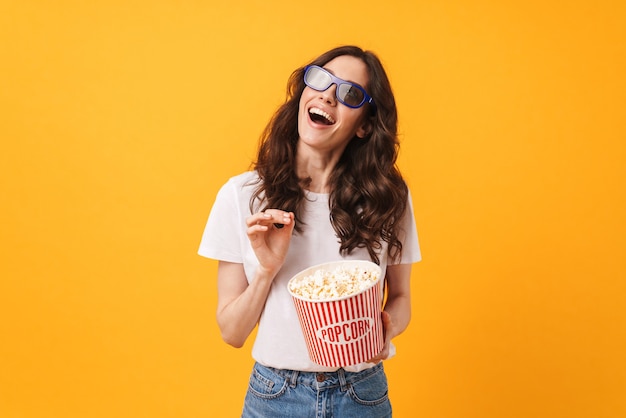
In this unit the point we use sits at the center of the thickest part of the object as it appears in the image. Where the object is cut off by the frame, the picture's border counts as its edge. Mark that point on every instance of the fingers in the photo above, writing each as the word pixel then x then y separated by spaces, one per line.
pixel 258 222
pixel 387 327
pixel 270 244
pixel 262 221
pixel 384 353
pixel 386 318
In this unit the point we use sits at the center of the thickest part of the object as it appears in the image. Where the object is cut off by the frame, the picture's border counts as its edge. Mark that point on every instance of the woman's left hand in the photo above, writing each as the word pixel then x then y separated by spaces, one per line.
pixel 387 332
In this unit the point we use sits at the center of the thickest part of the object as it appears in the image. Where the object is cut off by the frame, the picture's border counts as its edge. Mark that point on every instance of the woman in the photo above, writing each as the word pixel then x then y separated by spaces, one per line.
pixel 324 187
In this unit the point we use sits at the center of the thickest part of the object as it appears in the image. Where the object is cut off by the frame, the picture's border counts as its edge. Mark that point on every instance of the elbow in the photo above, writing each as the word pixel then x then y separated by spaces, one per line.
pixel 232 340
pixel 230 335
pixel 406 323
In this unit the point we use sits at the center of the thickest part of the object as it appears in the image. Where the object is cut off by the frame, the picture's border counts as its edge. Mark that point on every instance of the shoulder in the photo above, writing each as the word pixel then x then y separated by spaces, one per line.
pixel 244 179
pixel 240 188
pixel 247 180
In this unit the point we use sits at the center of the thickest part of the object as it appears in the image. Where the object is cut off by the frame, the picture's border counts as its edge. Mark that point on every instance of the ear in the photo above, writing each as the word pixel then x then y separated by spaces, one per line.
pixel 364 129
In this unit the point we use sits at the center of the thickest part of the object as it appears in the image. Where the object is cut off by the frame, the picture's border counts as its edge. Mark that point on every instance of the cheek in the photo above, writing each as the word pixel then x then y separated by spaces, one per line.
pixel 301 109
pixel 307 95
pixel 302 115
pixel 352 118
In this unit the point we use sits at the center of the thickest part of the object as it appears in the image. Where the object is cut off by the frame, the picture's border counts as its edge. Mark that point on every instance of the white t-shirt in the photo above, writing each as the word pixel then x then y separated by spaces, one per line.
pixel 279 342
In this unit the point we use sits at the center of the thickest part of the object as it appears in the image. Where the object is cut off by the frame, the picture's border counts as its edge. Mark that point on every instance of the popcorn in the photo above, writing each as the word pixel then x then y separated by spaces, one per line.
pixel 338 283
pixel 339 308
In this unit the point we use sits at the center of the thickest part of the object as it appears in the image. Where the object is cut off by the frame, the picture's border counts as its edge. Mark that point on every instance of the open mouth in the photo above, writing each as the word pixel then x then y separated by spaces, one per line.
pixel 319 116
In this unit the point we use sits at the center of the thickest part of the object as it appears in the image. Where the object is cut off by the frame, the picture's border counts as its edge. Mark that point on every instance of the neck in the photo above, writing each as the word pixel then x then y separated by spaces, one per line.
pixel 318 170
pixel 319 179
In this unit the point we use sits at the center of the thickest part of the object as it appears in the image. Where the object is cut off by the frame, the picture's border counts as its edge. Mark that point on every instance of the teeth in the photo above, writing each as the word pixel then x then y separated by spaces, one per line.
pixel 323 114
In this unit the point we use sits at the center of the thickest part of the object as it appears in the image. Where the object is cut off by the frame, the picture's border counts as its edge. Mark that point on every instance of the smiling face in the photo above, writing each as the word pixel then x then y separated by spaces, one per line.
pixel 324 124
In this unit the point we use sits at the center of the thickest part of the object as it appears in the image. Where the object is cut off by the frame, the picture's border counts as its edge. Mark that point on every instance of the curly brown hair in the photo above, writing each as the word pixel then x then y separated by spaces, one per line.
pixel 368 195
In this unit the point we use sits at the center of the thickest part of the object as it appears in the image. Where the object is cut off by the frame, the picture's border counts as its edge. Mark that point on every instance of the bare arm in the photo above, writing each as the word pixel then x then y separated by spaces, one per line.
pixel 240 304
pixel 397 311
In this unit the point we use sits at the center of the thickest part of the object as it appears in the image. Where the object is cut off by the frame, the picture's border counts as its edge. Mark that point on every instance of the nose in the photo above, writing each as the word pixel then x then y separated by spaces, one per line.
pixel 329 95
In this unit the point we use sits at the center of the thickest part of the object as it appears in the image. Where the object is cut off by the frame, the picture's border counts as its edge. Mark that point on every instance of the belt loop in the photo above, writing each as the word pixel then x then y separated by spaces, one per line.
pixel 293 379
pixel 341 373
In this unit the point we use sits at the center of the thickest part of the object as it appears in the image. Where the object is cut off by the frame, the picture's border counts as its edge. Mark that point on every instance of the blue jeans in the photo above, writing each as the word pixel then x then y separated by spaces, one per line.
pixel 275 393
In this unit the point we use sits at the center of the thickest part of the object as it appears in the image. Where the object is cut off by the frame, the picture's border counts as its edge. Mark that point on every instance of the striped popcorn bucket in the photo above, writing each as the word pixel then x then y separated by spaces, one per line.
pixel 342 331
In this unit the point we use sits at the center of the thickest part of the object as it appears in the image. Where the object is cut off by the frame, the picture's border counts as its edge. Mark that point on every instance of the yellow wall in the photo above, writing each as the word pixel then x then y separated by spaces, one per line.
pixel 119 120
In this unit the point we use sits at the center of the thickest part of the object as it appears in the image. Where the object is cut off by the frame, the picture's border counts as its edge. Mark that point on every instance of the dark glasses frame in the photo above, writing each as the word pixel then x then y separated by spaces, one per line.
pixel 338 82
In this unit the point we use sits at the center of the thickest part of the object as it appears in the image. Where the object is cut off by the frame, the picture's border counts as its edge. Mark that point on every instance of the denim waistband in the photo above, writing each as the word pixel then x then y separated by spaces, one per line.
pixel 319 380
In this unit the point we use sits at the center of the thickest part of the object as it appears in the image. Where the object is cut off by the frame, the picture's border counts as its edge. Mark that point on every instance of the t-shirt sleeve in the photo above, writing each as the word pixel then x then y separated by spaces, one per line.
pixel 411 252
pixel 221 239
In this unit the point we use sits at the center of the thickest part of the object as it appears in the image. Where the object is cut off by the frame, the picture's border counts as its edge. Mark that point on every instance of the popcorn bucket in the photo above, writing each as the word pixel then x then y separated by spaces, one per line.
pixel 343 330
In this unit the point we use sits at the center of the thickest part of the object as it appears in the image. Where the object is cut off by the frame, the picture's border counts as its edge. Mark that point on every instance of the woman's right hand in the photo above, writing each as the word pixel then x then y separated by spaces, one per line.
pixel 270 233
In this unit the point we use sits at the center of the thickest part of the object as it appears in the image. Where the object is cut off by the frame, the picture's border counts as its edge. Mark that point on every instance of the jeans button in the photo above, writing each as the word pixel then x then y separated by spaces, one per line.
pixel 321 377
